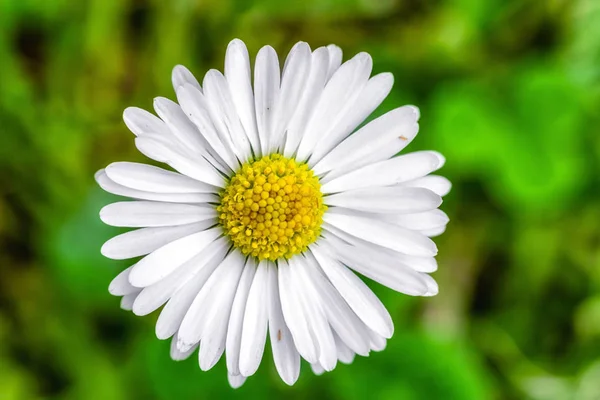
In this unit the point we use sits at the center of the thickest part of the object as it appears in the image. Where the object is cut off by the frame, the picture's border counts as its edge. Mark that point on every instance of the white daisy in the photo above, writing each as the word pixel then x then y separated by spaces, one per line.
pixel 272 203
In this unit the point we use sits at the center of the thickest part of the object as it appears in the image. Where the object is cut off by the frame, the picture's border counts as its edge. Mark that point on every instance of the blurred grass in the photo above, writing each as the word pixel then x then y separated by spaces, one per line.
pixel 509 91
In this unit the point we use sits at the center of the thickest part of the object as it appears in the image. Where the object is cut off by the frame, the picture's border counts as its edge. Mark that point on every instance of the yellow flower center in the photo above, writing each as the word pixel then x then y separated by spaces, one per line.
pixel 272 208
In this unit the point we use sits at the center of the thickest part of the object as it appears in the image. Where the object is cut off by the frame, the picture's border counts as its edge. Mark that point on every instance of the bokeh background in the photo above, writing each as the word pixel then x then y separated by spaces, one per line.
pixel 509 91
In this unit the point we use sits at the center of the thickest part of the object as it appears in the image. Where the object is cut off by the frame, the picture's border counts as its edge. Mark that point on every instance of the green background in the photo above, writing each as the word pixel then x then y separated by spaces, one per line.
pixel 509 92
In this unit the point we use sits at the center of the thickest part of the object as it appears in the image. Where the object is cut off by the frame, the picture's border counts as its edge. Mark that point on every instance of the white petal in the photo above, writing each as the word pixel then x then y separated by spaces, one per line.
pixel 378 140
pixel 120 285
pixel 345 354
pixel 179 125
pixel 235 381
pixel 317 369
pixel 285 355
pixel 316 319
pixel 383 234
pixel 172 314
pixel 355 112
pixel 335 59
pixel 224 115
pixel 422 221
pixel 266 93
pixel 112 187
pixel 386 200
pixel 155 295
pixel 180 159
pixel 142 122
pixel 254 331
pixel 178 355
pixel 293 313
pixel 419 264
pixel 160 263
pixel 377 342
pixel 293 83
pixel 339 93
pixel 144 241
pixel 181 75
pixel 134 214
pixel 238 75
pixel 373 265
pixel 435 183
pixel 432 286
pixel 236 319
pixel 196 108
pixel 357 294
pixel 434 231
pixel 153 179
pixel 389 172
pixel 127 301
pixel 342 319
pixel 313 87
pixel 218 311
pixel 209 312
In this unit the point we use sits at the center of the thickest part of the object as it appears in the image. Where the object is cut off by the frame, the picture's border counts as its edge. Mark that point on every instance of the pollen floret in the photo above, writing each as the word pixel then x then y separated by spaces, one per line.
pixel 272 208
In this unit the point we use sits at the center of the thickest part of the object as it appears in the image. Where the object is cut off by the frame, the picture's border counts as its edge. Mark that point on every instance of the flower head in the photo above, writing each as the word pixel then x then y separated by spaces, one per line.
pixel 272 199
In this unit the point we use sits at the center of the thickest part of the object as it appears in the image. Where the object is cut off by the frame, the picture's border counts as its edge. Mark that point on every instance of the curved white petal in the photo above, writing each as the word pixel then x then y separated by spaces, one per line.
pixel 383 234
pixel 149 178
pixel 120 285
pixel 160 263
pixel 254 330
pixel 344 353
pixel 341 239
pixel 293 83
pixel 172 314
pixel 209 312
pixel 180 126
pixel 135 214
pixel 313 87
pixel 178 355
pixel 196 108
pixel 357 294
pixel 335 59
pixel 372 264
pixel 435 183
pixel 339 94
pixel 314 313
pixel 127 301
pixel 421 221
pixel 285 355
pixel 155 295
pixel 239 76
pixel 181 75
pixel 386 200
pixel 293 313
pixel 266 93
pixel 236 319
pixel 145 240
pixel 218 305
pixel 389 172
pixel 235 381
pixel 224 115
pixel 342 319
pixel 142 122
pixel 112 187
pixel 192 165
pixel 378 140
pixel 364 103
pixel 433 232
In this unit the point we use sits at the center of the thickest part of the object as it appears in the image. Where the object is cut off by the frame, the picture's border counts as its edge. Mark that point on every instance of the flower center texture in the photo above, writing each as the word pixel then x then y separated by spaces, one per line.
pixel 272 208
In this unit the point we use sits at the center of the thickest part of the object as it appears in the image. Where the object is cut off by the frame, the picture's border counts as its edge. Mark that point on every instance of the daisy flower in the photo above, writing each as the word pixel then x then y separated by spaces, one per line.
pixel 273 200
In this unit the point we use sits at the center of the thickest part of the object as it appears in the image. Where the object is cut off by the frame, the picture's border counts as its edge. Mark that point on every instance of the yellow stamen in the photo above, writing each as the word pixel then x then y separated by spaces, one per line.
pixel 272 208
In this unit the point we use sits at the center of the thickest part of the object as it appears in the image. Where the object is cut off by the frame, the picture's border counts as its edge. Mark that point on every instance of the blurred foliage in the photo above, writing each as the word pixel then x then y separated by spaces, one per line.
pixel 509 91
